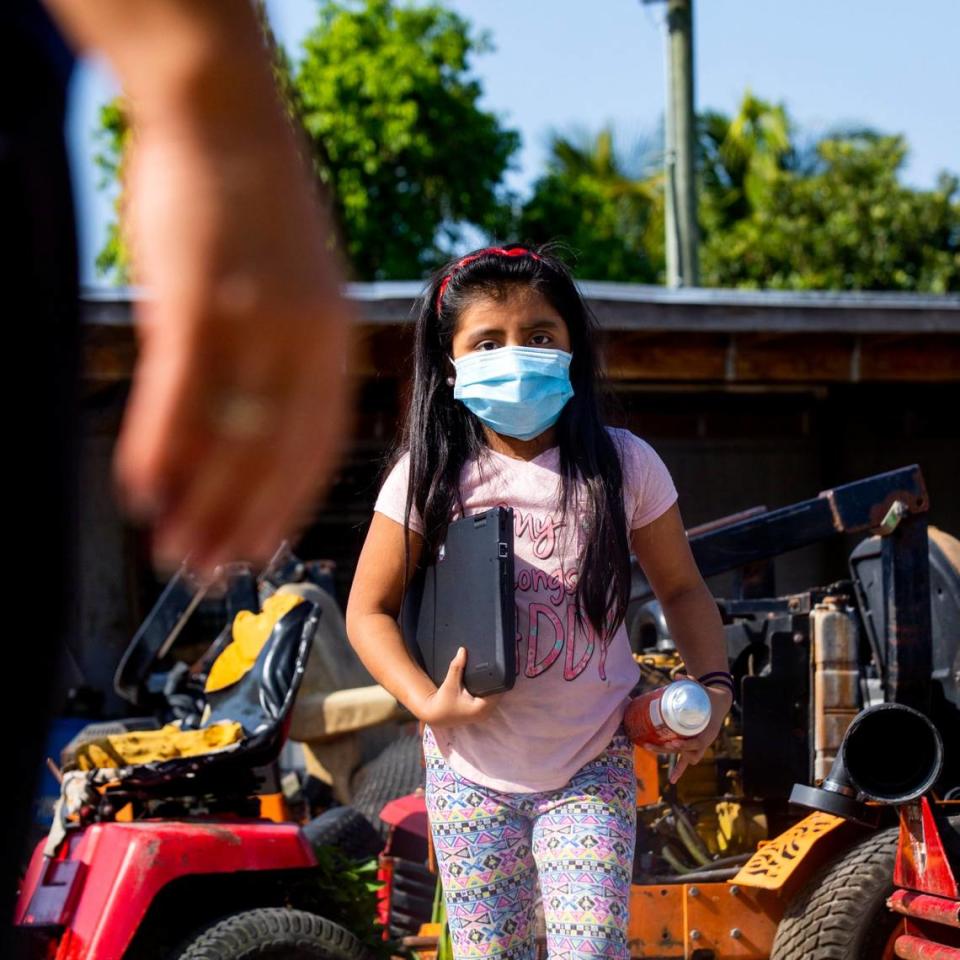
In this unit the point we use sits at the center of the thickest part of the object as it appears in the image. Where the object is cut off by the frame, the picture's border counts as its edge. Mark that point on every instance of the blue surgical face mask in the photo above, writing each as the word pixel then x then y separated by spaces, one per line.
pixel 516 391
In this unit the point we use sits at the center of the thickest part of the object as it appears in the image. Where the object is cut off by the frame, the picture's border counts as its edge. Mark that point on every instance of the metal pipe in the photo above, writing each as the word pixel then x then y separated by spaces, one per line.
pixel 919 948
pixel 923 906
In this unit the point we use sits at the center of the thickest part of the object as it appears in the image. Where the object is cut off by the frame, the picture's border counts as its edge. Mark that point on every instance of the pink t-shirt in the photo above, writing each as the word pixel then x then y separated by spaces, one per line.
pixel 571 688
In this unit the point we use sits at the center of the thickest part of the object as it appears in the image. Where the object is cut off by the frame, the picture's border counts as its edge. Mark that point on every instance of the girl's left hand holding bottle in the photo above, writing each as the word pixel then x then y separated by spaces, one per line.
pixel 663 551
pixel 690 750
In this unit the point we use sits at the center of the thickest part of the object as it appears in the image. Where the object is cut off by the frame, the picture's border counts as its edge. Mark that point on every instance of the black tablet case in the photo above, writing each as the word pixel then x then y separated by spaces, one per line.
pixel 466 599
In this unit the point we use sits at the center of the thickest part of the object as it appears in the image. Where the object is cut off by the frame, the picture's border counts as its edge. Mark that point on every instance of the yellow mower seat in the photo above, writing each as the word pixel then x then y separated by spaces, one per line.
pixel 147 746
pixel 250 632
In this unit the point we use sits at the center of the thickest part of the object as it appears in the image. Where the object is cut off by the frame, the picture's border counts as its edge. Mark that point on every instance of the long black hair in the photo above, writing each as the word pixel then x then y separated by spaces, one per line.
pixel 441 435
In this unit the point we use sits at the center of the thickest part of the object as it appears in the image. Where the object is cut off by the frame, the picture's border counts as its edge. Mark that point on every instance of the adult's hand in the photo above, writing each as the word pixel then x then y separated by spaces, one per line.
pixel 238 396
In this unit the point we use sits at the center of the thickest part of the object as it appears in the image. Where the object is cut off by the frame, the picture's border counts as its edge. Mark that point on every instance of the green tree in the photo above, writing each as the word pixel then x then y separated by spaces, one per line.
pixel 113 136
pixel 590 200
pixel 390 110
pixel 847 223
pixel 775 211
pixel 399 138
pixel 740 159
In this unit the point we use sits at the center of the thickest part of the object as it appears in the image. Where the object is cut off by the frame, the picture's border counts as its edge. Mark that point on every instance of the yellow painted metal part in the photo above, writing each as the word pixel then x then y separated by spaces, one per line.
pixel 777 860
pixel 424 945
pixel 740 826
pixel 676 920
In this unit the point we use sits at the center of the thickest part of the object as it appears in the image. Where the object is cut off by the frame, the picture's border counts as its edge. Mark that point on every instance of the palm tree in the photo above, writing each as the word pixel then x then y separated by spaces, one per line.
pixel 605 204
pixel 742 157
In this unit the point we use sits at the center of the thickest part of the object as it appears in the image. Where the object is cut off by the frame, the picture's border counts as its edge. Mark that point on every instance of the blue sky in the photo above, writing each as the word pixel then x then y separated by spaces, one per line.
pixel 569 64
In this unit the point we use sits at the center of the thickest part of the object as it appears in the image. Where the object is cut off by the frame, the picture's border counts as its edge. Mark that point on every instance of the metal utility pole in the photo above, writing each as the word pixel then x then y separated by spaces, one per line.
pixel 682 239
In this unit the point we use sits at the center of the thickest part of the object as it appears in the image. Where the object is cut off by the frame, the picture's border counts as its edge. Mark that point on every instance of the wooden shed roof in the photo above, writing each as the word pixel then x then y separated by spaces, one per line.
pixel 693 335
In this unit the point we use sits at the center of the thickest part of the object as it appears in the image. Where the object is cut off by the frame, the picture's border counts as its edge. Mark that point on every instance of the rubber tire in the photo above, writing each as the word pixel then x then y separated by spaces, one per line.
pixel 346 829
pixel 841 914
pixel 397 772
pixel 414 888
pixel 414 874
pixel 273 932
pixel 403 925
pixel 411 904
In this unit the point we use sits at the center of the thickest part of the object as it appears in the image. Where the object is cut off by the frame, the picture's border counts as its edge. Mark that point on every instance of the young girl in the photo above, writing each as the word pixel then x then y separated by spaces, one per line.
pixel 532 789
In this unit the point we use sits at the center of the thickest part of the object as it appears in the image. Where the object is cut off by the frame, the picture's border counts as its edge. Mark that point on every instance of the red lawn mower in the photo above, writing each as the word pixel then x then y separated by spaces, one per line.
pixel 926 895
pixel 175 858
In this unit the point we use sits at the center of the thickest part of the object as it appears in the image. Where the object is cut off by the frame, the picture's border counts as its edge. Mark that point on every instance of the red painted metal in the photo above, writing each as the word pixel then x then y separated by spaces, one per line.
pixel 385 876
pixel 889 951
pixel 125 865
pixel 408 813
pixel 918 948
pixel 922 863
pixel 923 906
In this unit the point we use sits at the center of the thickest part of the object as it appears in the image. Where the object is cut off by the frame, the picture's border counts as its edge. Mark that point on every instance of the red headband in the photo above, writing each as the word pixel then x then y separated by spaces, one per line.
pixel 460 264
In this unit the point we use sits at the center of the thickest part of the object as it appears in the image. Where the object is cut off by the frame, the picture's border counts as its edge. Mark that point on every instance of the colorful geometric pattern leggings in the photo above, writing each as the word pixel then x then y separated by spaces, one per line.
pixel 493 848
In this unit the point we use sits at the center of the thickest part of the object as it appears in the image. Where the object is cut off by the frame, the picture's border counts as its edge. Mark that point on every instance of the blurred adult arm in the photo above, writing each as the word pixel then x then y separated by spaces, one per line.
pixel 238 398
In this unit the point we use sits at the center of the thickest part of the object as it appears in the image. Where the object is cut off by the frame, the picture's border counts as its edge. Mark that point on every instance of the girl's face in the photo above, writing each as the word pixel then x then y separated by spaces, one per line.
pixel 522 318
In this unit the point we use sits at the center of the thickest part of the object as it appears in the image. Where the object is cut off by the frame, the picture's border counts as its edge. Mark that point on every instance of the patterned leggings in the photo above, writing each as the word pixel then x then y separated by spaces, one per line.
pixel 493 847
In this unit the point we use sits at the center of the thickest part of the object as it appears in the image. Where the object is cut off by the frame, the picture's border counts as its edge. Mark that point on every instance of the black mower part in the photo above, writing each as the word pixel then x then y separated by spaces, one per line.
pixel 346 829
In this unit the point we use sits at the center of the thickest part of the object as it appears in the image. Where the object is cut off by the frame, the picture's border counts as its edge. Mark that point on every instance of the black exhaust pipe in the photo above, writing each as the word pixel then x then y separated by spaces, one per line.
pixel 890 754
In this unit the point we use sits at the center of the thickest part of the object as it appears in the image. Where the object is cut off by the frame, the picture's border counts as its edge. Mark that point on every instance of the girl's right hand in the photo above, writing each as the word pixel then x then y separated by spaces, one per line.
pixel 451 703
